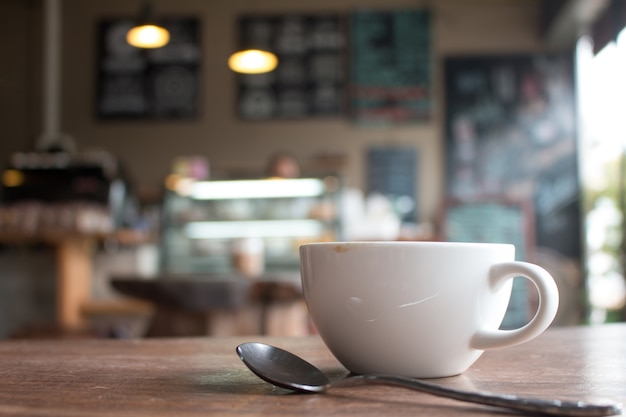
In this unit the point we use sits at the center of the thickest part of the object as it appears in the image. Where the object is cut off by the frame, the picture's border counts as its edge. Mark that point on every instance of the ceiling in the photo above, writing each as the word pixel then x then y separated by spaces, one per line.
pixel 564 21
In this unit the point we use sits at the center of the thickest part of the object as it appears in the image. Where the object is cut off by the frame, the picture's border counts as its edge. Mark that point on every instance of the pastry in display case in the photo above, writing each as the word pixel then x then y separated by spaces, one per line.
pixel 248 227
pixel 61 194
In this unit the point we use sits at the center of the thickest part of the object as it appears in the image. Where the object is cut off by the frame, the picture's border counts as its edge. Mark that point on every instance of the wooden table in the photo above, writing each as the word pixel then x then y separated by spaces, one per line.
pixel 203 376
pixel 214 304
pixel 74 269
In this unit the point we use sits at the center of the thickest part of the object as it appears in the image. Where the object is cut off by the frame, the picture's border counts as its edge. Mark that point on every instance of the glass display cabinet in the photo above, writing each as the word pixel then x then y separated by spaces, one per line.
pixel 207 225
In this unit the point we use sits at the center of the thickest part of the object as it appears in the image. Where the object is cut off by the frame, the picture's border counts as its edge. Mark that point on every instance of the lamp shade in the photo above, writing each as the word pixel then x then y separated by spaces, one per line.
pixel 252 61
pixel 148 36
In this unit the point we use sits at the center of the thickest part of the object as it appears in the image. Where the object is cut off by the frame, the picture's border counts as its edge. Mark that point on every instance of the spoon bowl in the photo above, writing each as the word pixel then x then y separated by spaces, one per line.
pixel 282 368
pixel 286 370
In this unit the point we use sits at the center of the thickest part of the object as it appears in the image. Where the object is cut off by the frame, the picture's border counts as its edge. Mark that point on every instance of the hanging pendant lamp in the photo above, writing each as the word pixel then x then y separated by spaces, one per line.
pixel 252 61
pixel 147 34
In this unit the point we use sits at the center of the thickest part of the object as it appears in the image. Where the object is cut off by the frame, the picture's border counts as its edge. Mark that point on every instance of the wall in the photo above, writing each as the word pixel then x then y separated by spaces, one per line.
pixel 20 74
pixel 460 26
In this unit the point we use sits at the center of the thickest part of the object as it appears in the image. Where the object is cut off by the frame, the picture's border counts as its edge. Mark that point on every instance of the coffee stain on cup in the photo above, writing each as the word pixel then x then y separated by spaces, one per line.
pixel 360 310
pixel 341 248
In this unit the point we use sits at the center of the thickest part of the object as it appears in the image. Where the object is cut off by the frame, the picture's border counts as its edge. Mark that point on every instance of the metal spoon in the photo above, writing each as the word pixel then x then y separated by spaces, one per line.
pixel 286 370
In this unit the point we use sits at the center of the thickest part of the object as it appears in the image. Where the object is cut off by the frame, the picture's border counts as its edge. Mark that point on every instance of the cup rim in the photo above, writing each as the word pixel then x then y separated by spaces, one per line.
pixel 367 243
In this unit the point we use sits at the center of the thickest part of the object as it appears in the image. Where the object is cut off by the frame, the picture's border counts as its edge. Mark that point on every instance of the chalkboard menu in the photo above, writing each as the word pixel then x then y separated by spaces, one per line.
pixel 392 172
pixel 491 220
pixel 391 60
pixel 310 78
pixel 138 83
pixel 496 220
pixel 511 131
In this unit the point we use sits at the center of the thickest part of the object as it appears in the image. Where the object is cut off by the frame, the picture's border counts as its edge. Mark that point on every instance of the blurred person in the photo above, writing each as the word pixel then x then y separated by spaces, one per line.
pixel 283 165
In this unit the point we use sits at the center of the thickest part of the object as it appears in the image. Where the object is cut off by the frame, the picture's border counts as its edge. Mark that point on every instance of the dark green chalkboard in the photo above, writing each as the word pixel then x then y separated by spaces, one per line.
pixel 392 172
pixel 491 220
pixel 496 220
pixel 391 60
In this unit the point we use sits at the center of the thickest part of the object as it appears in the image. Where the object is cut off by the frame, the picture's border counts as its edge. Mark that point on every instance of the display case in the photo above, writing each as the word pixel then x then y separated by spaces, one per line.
pixel 248 226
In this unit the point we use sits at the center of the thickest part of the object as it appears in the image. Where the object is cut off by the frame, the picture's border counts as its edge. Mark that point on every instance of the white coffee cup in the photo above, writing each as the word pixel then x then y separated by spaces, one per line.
pixel 417 309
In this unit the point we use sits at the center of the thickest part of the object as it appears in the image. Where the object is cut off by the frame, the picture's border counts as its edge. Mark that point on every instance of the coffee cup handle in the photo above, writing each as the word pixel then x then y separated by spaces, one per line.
pixel 546 310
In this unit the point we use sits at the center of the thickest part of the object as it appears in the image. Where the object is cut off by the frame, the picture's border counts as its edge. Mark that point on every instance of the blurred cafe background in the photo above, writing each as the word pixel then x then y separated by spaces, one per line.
pixel 154 191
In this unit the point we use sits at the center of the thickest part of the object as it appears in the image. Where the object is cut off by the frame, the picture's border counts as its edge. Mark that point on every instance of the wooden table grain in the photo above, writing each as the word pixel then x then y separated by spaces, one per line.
pixel 203 376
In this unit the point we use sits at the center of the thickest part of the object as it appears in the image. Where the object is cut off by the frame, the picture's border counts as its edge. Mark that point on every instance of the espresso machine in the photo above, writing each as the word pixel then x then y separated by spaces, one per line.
pixel 61 192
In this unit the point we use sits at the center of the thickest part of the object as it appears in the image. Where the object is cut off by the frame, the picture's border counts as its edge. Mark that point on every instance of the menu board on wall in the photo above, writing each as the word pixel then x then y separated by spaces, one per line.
pixel 496 220
pixel 310 78
pixel 391 66
pixel 136 83
pixel 509 222
pixel 511 131
pixel 392 172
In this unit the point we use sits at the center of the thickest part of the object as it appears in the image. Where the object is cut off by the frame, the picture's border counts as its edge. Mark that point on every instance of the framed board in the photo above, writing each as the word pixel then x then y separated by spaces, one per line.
pixel 392 172
pixel 511 131
pixel 496 220
pixel 311 75
pixel 391 66
pixel 491 220
pixel 134 83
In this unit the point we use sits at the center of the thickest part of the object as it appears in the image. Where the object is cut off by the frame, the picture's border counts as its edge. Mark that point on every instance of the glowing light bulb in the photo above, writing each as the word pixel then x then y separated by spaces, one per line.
pixel 252 61
pixel 148 36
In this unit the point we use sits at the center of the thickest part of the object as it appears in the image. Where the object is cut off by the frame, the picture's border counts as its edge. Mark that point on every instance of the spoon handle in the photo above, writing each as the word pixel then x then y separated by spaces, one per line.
pixel 528 405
